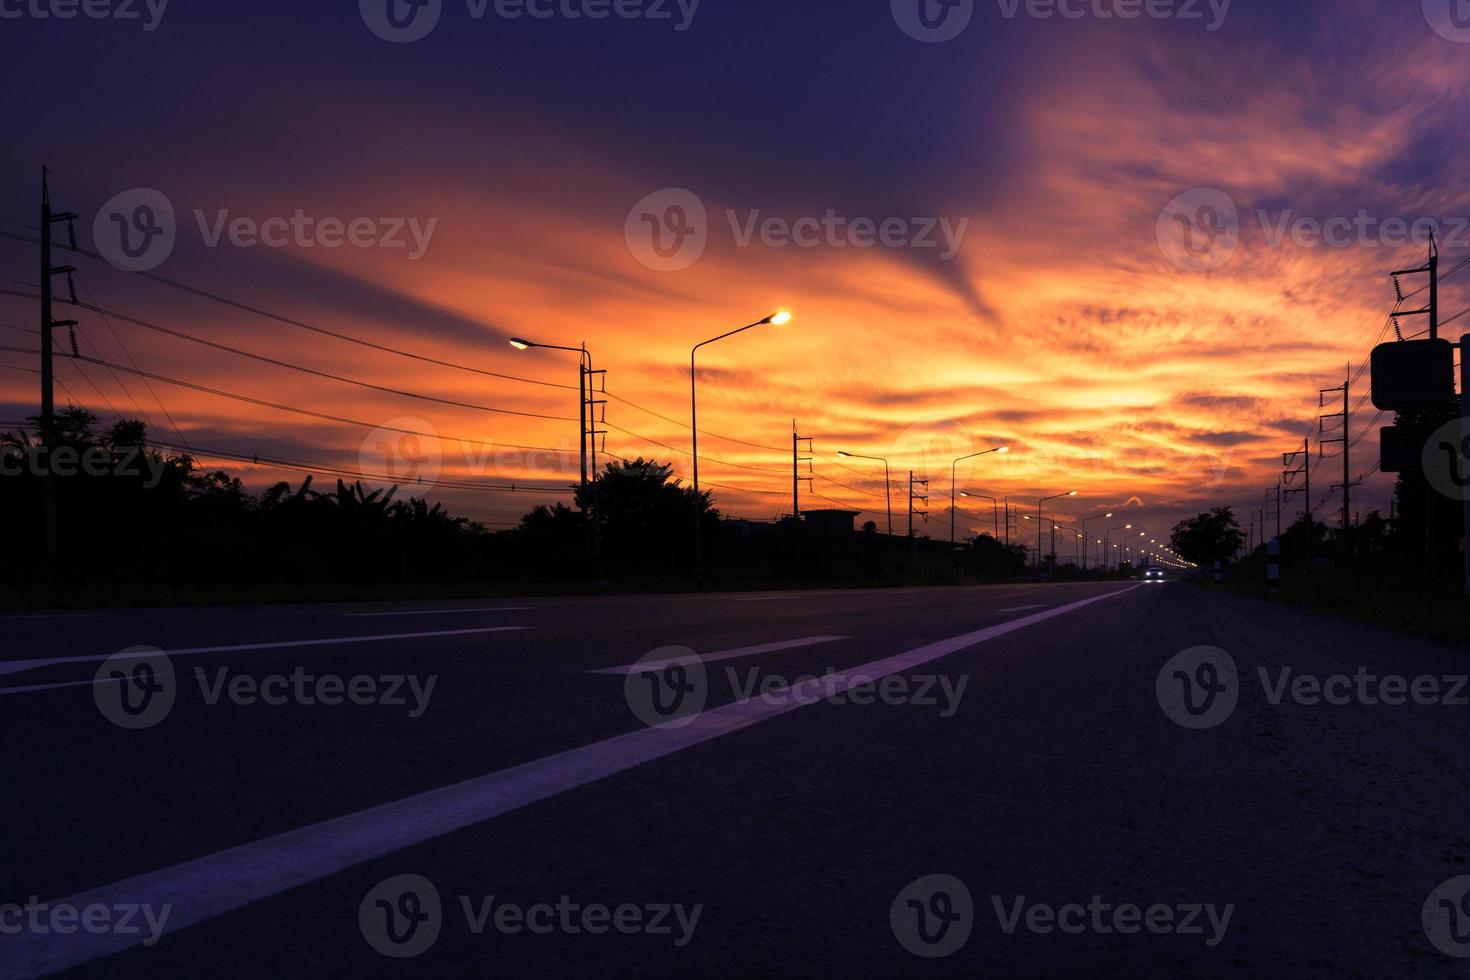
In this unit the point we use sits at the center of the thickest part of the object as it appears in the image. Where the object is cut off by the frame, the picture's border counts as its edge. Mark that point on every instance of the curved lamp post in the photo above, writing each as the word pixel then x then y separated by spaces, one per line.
pixel 1056 496
pixel 779 319
pixel 952 469
pixel 887 486
pixel 1084 531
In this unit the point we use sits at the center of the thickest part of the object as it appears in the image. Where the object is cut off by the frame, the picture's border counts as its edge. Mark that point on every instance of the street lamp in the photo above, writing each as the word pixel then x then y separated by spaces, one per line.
pixel 1058 496
pixel 779 319
pixel 999 449
pixel 584 383
pixel 1084 531
pixel 1108 537
pixel 995 507
pixel 887 486
pixel 584 376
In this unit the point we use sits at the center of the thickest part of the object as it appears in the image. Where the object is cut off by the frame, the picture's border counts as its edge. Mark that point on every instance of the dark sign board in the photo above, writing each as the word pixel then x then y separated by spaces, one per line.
pixel 1400 448
pixel 1410 374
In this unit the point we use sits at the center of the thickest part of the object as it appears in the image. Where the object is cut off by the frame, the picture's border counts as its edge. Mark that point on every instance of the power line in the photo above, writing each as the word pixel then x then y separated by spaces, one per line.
pixel 263 403
pixel 302 368
pixel 301 324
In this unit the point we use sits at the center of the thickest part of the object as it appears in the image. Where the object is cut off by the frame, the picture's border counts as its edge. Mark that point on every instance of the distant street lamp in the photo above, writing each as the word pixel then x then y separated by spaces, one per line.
pixel 1058 496
pixel 1107 537
pixel 779 319
pixel 995 506
pixel 887 484
pixel 1084 531
pixel 999 449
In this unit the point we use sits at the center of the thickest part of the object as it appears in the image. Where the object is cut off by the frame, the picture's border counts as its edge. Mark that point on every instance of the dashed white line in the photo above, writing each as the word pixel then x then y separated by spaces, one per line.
pixel 437 612
pixel 1040 605
pixel 214 885
pixel 16 666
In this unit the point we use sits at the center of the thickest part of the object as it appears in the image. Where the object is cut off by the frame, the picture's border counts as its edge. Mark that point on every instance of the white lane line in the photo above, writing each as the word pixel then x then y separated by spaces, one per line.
pixel 5 691
pixel 438 612
pixel 767 598
pixel 214 885
pixel 16 666
pixel 1040 605
pixel 723 654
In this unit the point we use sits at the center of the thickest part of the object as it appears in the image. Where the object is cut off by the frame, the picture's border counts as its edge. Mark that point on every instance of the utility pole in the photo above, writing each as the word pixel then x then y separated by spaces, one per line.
pixel 913 542
pixel 1346 439
pixel 48 370
pixel 796 479
pixel 1304 470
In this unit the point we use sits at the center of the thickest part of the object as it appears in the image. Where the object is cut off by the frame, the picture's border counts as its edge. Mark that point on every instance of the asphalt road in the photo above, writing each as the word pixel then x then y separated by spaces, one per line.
pixel 1112 779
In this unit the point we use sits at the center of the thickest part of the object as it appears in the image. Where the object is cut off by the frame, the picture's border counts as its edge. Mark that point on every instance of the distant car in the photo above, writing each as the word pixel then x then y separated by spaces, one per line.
pixel 1155 573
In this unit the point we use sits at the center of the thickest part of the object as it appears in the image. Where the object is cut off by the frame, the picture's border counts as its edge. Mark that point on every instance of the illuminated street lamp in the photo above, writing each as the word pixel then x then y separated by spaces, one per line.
pixel 1057 496
pixel 1084 531
pixel 999 449
pixel 1108 536
pixel 887 484
pixel 995 507
pixel 779 319
pixel 584 384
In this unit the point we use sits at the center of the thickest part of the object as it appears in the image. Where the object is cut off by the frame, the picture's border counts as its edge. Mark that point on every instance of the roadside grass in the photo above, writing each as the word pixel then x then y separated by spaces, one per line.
pixel 1408 601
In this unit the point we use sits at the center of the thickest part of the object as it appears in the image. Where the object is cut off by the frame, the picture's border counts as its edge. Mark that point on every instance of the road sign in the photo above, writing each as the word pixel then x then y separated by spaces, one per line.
pixel 1400 447
pixel 1410 374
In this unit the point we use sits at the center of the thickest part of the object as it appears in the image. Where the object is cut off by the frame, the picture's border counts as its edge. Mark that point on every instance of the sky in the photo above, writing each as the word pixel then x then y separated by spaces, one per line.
pixel 1132 249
